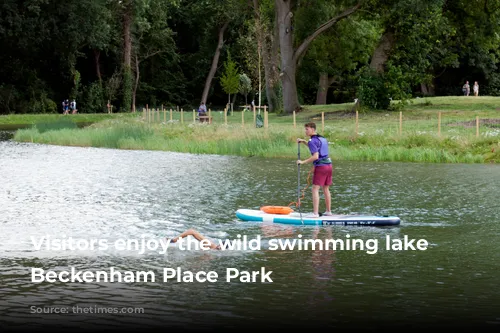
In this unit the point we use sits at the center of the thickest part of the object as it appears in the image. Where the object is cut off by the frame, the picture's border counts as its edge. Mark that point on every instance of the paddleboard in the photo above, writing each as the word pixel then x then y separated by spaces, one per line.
pixel 252 215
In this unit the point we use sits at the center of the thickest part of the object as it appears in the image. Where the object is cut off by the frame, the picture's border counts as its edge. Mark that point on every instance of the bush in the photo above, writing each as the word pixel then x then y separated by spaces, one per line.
pixel 372 93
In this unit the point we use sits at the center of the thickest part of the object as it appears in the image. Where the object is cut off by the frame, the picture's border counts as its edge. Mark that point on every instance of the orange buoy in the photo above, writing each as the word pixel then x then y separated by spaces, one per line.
pixel 283 210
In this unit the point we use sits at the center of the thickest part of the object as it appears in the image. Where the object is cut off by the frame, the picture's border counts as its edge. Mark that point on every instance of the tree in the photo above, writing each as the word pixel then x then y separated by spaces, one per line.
pixel 153 37
pixel 230 80
pixel 266 34
pixel 417 39
pixel 245 86
pixel 291 55
pixel 216 15
pixel 334 57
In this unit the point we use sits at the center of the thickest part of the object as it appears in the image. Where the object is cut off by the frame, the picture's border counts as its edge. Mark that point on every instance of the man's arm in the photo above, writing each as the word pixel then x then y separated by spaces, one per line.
pixel 311 159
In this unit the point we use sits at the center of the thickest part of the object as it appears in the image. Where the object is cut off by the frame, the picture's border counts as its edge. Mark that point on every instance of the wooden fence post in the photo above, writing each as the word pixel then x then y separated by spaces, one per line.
pixel 254 116
pixel 439 123
pixel 400 122
pixel 357 123
pixel 266 119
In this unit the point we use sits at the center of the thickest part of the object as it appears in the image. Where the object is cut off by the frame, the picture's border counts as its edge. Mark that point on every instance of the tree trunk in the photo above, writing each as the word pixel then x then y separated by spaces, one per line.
pixel 382 52
pixel 289 57
pixel 322 89
pixel 127 57
pixel 215 61
pixel 427 89
pixel 271 73
pixel 269 47
pixel 288 63
pixel 97 56
pixel 136 84
pixel 127 38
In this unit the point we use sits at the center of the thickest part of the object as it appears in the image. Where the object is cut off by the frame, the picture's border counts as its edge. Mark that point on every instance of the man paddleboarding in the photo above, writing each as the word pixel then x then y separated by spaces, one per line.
pixel 323 169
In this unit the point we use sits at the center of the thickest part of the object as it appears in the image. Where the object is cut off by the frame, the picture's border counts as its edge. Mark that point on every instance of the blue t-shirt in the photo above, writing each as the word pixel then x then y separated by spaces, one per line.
pixel 318 144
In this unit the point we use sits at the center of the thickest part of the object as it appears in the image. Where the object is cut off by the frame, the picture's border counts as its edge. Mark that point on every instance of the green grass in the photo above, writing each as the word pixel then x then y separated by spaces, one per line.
pixel 26 120
pixel 57 124
pixel 378 136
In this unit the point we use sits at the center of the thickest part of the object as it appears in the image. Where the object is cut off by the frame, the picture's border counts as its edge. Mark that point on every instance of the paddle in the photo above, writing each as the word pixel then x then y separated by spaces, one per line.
pixel 298 182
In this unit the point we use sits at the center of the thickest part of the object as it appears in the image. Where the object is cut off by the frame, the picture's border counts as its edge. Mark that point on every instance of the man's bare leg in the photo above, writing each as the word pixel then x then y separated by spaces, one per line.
pixel 315 198
pixel 328 198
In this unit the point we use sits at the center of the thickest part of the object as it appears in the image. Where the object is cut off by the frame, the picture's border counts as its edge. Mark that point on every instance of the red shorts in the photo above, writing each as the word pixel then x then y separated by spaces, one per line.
pixel 323 175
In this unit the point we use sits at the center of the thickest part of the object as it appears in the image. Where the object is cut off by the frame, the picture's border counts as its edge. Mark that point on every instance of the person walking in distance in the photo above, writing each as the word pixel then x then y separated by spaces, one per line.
pixel 476 88
pixel 323 169
pixel 466 88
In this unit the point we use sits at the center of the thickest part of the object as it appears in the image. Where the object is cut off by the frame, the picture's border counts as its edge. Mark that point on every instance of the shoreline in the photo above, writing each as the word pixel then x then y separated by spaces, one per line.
pixel 431 130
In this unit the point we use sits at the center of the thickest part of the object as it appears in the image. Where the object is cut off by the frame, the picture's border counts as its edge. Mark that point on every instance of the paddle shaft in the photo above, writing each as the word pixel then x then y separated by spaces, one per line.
pixel 298 177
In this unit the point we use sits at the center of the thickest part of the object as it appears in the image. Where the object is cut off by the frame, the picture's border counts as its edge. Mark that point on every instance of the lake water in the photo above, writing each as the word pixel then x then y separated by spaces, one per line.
pixel 112 195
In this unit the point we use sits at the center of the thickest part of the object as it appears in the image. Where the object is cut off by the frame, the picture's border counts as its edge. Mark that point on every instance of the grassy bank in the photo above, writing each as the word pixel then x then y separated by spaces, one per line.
pixel 16 121
pixel 437 130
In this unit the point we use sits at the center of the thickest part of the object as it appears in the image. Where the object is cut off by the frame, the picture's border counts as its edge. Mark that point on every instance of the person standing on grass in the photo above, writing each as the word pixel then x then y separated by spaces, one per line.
pixel 476 88
pixel 323 169
pixel 466 88
pixel 72 106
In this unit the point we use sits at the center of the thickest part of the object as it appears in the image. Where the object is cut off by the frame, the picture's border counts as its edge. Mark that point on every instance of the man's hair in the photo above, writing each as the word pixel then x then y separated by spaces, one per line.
pixel 311 125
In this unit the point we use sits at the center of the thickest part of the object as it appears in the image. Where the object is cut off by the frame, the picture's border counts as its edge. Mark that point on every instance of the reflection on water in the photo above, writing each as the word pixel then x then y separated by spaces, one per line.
pixel 88 193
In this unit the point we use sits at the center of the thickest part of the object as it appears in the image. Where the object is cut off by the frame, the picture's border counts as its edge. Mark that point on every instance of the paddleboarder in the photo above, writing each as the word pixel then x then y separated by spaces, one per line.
pixel 323 169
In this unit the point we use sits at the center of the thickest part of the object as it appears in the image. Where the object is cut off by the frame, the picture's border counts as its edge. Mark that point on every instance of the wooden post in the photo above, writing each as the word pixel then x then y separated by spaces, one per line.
pixel 254 116
pixel 266 119
pixel 182 116
pixel 143 113
pixel 400 122
pixel 226 110
pixel 294 122
pixel 209 116
pixel 147 112
pixel 357 122
pixel 170 114
pixel 322 122
pixel 194 116
pixel 439 123
pixel 477 126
